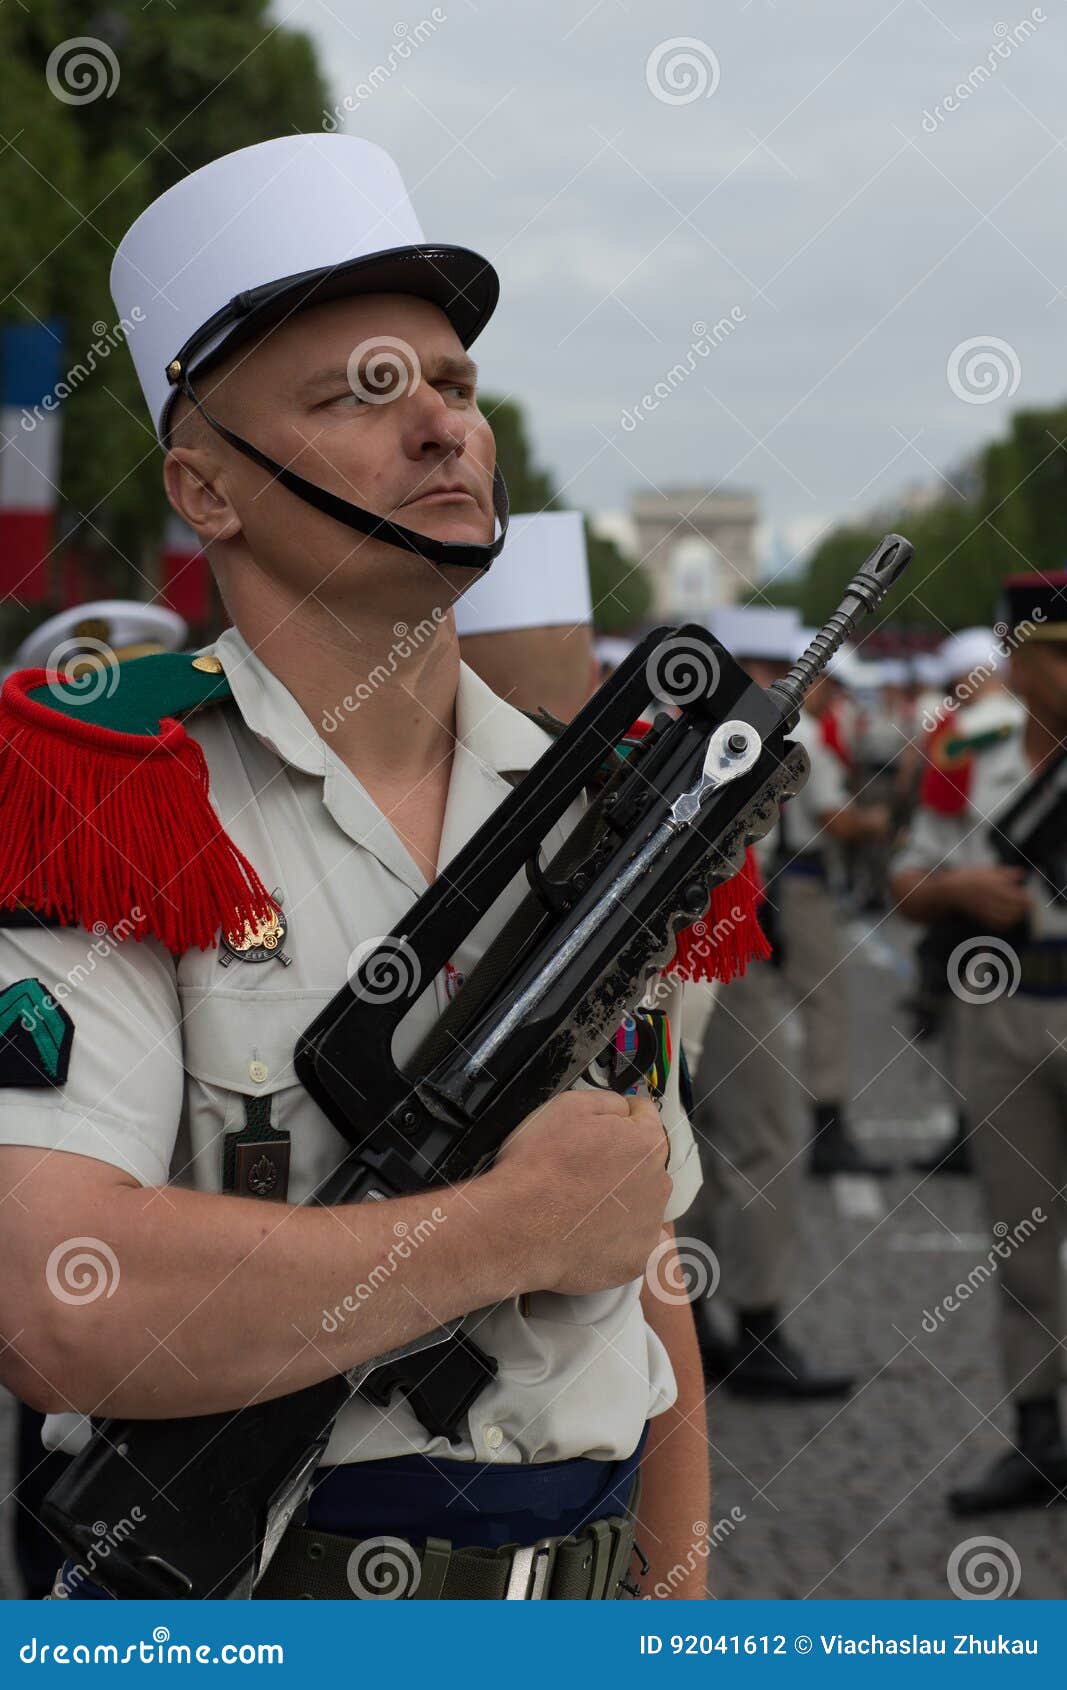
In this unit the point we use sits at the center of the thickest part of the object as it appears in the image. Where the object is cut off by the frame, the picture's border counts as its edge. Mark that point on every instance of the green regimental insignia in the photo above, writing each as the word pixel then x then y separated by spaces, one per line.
pixel 36 1034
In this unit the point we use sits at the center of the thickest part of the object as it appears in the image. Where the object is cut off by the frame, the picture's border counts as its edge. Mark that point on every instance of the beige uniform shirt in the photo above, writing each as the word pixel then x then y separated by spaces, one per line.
pixel 1000 775
pixel 825 791
pixel 166 1053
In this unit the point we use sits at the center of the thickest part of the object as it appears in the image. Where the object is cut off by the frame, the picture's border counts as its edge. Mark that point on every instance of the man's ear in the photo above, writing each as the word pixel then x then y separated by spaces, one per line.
pixel 197 491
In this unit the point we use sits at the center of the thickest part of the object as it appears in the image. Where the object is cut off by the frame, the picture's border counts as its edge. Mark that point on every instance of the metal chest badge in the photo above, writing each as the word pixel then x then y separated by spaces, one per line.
pixel 260 943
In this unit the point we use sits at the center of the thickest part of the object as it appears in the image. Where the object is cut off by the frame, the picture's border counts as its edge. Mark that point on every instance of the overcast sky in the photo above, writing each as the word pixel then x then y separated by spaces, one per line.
pixel 795 165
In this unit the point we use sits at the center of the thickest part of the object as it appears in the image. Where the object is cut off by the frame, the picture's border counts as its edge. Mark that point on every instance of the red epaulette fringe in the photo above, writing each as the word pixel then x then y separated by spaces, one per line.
pixel 115 831
pixel 722 943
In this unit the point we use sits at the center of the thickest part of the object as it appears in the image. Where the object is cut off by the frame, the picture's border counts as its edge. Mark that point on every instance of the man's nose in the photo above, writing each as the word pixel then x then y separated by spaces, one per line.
pixel 430 422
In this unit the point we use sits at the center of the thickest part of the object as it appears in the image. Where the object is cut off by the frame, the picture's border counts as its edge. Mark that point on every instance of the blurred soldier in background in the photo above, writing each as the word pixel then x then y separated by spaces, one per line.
pixel 986 862
pixel 975 708
pixel 525 628
pixel 104 631
pixel 747 1119
pixel 814 959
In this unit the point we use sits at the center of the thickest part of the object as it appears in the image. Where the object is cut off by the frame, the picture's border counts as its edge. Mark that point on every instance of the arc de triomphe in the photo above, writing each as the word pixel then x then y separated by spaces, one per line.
pixel 697 546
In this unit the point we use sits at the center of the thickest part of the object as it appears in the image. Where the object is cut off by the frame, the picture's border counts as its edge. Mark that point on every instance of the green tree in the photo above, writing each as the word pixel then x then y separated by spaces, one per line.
pixel 1005 519
pixel 191 83
pixel 620 588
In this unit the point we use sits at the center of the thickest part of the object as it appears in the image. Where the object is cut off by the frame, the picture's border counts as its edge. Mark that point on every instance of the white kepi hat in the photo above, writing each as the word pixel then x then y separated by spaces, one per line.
pixel 103 631
pixel 974 651
pixel 757 630
pixel 252 236
pixel 540 579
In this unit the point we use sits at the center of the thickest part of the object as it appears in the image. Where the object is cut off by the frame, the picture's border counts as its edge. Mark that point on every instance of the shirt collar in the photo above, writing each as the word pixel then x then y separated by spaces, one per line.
pixel 267 706
pixel 493 740
pixel 491 730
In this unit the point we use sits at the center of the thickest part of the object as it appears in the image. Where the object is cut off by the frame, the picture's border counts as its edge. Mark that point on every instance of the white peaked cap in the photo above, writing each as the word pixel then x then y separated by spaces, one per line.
pixel 895 672
pixel 107 623
pixel 971 648
pixel 756 630
pixel 540 579
pixel 930 668
pixel 329 214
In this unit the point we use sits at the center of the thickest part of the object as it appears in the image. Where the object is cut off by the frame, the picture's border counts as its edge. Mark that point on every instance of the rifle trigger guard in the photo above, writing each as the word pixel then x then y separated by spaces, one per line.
pixel 556 895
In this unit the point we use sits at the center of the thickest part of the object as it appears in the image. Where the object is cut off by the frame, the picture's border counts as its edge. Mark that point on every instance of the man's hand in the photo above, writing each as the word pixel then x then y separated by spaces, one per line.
pixel 995 895
pixel 588 1170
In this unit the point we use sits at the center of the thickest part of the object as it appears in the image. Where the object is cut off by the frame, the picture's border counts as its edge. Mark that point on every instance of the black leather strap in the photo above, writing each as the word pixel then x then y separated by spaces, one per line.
pixel 451 553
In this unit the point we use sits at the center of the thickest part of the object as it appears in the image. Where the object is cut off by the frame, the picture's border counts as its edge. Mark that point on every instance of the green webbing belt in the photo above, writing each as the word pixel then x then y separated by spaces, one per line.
pixel 326 1567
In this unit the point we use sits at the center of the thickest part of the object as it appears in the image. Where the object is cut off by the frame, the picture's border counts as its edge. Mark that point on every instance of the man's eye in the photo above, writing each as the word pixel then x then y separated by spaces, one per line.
pixel 347 398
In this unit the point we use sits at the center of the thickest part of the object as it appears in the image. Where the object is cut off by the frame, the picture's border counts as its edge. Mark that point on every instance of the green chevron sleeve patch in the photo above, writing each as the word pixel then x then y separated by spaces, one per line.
pixel 36 1034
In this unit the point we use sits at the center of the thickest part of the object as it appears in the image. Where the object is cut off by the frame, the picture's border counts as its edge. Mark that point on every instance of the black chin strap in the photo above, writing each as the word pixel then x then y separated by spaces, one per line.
pixel 466 555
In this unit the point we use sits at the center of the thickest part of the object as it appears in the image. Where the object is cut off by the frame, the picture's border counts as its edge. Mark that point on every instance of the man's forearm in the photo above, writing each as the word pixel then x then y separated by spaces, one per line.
pixel 923 895
pixel 220 1301
pixel 675 1507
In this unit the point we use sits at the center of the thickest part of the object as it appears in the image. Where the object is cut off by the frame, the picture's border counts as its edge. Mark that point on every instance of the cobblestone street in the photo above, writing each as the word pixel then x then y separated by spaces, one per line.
pixel 848 1500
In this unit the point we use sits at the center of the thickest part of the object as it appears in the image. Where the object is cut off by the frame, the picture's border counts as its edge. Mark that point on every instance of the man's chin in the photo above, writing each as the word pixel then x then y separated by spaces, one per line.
pixel 449 522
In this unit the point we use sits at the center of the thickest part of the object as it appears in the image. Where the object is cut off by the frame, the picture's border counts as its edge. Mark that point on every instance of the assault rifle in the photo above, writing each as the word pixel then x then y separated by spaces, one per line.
pixel 212 1494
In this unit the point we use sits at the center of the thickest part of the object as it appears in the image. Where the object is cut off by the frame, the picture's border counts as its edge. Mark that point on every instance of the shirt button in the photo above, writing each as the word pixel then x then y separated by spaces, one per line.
pixel 494 1437
pixel 258 1072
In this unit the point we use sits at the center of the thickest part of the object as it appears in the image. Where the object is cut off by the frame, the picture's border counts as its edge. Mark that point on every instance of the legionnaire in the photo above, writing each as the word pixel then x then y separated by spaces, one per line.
pixel 814 956
pixel 527 627
pixel 747 1116
pixel 986 853
pixel 975 708
pixel 303 353
pixel 103 631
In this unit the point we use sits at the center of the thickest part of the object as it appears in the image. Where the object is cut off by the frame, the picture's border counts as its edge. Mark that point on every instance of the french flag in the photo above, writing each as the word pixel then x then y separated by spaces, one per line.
pixel 30 435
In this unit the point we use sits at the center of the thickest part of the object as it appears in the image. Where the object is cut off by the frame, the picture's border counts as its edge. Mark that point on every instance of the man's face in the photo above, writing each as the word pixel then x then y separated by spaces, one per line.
pixel 372 398
pixel 1039 677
